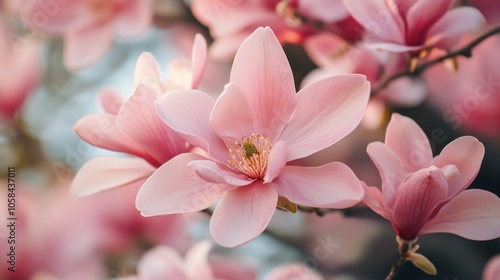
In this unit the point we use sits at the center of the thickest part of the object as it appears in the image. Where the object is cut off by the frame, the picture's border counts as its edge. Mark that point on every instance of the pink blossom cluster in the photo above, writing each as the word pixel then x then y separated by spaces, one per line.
pixel 304 93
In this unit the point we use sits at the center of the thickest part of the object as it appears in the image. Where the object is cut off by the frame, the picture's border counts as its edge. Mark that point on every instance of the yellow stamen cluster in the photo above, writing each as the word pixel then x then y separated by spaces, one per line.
pixel 251 155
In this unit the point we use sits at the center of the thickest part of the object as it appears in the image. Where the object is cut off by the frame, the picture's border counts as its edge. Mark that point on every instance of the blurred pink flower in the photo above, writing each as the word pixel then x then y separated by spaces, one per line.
pixel 134 128
pixel 20 70
pixel 88 26
pixel 492 269
pixel 249 134
pixel 230 22
pixel 402 25
pixel 421 194
pixel 333 55
pixel 294 271
pixel 162 262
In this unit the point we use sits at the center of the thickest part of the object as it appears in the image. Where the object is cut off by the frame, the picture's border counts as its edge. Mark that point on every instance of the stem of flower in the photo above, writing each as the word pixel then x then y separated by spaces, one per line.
pixel 404 249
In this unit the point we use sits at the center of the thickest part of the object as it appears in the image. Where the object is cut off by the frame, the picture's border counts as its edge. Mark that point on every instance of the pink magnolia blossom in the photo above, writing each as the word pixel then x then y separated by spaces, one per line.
pixel 255 127
pixel 20 70
pixel 403 25
pixel 421 194
pixel 492 269
pixel 230 22
pixel 162 262
pixel 294 271
pixel 133 127
pixel 88 26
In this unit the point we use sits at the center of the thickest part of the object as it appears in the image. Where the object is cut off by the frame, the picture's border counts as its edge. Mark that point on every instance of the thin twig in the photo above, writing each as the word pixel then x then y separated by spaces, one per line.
pixel 404 249
pixel 465 51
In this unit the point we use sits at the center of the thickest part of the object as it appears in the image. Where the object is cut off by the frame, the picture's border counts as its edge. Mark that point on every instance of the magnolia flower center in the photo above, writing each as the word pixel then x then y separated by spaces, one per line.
pixel 251 155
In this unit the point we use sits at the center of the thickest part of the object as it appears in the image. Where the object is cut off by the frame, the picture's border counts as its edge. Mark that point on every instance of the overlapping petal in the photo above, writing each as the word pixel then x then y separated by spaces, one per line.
pixel 473 214
pixel 332 185
pixel 327 110
pixel 243 214
pixel 104 173
pixel 175 188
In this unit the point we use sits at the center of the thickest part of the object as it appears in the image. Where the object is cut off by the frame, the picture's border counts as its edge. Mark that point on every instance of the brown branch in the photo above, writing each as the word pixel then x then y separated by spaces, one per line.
pixel 465 51
pixel 404 250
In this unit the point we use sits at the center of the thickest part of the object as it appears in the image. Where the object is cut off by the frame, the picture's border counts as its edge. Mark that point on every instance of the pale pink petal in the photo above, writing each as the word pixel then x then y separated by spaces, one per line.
pixel 101 131
pixel 111 101
pixel 405 92
pixel 231 118
pixel 138 120
pixel 466 153
pixel 277 160
pixel 198 59
pixel 196 262
pixel 104 173
pixel 85 47
pixel 147 72
pixel 421 16
pixel 327 110
pixel 134 18
pixel 328 11
pixel 243 214
pixel 452 26
pixel 390 168
pixel 161 263
pixel 409 142
pixel 261 70
pixel 332 185
pixel 188 112
pixel 472 214
pixel 492 269
pixel 378 19
pixel 212 172
pixel 176 188
pixel 293 272
pixel 416 199
pixel 373 198
pixel 224 48
pixel 321 48
pixel 231 269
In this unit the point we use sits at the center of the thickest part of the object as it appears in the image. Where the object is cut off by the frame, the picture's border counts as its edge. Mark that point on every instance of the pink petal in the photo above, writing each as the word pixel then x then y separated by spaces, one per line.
pixel 231 118
pixel 452 26
pixel 161 262
pixel 393 47
pixel 390 168
pixel 262 72
pixel 373 198
pixel 422 15
pixel 224 48
pixel 243 214
pixel 111 101
pixel 320 47
pixel 147 72
pixel 213 172
pixel 104 173
pixel 188 112
pixel 277 160
pixel 416 199
pixel 492 269
pixel 332 185
pixel 101 131
pixel 327 110
pixel 196 262
pixel 466 153
pixel 176 188
pixel 378 18
pixel 198 59
pixel 329 11
pixel 409 142
pixel 138 120
pixel 293 271
pixel 405 92
pixel 85 47
pixel 472 214
pixel 134 18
